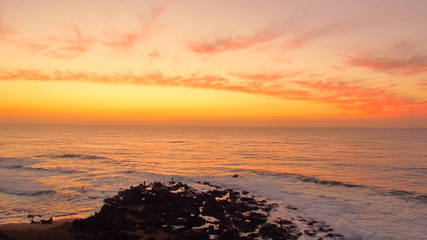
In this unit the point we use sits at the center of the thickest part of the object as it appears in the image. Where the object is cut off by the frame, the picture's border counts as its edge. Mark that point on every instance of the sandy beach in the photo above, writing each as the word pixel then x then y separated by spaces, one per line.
pixel 59 229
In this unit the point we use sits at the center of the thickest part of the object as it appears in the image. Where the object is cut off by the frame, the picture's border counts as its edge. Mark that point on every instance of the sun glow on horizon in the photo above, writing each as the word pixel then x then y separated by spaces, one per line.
pixel 157 61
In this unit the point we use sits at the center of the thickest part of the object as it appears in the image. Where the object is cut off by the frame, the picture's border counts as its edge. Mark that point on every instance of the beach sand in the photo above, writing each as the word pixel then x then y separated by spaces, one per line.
pixel 59 229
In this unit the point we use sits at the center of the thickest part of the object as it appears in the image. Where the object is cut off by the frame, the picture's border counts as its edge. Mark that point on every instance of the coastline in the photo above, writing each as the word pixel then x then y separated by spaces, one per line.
pixel 177 211
pixel 59 229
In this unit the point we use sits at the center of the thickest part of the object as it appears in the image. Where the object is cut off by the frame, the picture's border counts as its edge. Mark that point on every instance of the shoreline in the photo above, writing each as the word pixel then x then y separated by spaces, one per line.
pixel 176 211
pixel 58 229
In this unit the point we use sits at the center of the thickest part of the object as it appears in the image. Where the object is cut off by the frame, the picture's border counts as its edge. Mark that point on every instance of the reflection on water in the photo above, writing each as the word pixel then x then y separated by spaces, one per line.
pixel 75 167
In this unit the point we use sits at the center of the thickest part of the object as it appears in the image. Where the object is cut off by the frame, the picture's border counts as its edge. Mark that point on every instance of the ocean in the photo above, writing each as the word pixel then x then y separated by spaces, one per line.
pixel 366 183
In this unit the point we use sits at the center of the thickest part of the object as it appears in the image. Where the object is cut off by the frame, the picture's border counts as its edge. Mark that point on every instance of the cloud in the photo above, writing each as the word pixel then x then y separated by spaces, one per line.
pixel 5 29
pixel 293 30
pixel 152 55
pixel 266 76
pixel 71 46
pixel 127 41
pixel 239 42
pixel 74 43
pixel 301 37
pixel 349 96
pixel 400 60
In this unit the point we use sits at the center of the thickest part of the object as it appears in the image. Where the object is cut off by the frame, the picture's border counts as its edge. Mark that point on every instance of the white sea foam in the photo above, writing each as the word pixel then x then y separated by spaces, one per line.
pixel 366 184
pixel 356 214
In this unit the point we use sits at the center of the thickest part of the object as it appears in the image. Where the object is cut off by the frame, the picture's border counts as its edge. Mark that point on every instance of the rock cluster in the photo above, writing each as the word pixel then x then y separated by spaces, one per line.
pixel 177 211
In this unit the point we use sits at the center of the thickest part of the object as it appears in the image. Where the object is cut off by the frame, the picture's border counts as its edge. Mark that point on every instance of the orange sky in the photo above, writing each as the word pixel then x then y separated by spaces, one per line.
pixel 250 62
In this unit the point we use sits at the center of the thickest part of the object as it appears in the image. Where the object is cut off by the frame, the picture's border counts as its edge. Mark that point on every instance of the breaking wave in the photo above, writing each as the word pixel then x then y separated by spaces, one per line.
pixel 74 156
pixel 25 168
pixel 27 193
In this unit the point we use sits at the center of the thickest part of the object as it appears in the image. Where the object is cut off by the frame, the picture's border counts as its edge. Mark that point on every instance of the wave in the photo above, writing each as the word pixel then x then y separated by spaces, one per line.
pixel 407 195
pixel 25 168
pixel 75 156
pixel 309 179
pixel 176 141
pixel 17 161
pixel 328 182
pixel 28 193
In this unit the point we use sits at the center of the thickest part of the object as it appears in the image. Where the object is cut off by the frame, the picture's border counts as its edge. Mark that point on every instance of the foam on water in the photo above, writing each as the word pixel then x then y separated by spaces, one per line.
pixel 357 212
pixel 354 213
pixel 365 184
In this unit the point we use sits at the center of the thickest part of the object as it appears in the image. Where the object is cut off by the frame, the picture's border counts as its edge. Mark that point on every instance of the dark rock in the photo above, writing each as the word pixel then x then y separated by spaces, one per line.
pixel 272 231
pixel 334 235
pixel 282 222
pixel 196 235
pixel 178 212
pixel 3 236
pixel 235 175
pixel 292 208
pixel 49 221
pixel 310 232
pixel 311 223
pixel 230 234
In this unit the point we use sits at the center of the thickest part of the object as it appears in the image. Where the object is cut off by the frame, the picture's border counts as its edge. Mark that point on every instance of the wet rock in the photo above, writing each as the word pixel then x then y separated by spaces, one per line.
pixel 179 212
pixel 334 236
pixel 283 222
pixel 310 232
pixel 230 234
pixel 235 175
pixel 49 221
pixel 272 231
pixel 2 236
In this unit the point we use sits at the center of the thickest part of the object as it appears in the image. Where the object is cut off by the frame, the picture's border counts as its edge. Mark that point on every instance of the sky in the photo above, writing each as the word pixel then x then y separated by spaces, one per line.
pixel 236 62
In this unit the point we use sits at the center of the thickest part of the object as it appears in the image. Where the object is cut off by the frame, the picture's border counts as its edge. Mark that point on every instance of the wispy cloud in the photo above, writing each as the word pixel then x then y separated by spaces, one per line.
pixel 152 55
pixel 238 42
pixel 73 44
pixel 349 95
pixel 5 29
pixel 305 35
pixel 293 32
pixel 127 41
pixel 401 59
pixel 266 76
pixel 301 38
pixel 378 101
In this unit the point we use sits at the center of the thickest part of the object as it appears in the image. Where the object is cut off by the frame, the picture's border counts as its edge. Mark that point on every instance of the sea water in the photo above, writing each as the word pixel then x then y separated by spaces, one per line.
pixel 366 183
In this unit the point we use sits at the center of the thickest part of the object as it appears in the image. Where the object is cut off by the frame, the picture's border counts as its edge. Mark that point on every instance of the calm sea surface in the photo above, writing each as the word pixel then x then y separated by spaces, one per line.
pixel 367 183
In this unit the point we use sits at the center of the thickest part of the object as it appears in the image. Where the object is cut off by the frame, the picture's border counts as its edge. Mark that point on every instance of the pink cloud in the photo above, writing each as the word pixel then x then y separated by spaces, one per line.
pixel 377 101
pixel 401 59
pixel 300 37
pixel 5 29
pixel 296 35
pixel 154 54
pixel 266 76
pixel 239 42
pixel 73 45
pixel 126 41
pixel 401 66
